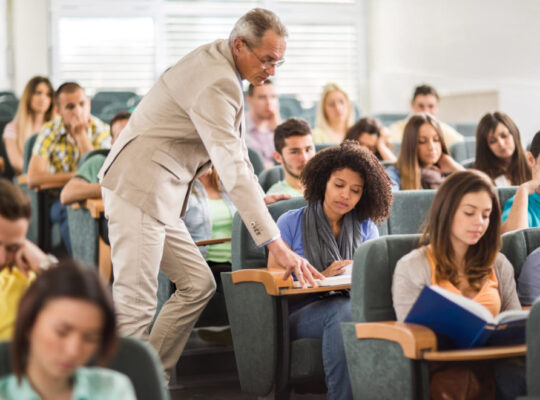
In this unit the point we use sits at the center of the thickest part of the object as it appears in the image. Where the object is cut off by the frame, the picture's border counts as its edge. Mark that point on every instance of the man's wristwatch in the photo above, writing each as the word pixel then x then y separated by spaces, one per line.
pixel 48 261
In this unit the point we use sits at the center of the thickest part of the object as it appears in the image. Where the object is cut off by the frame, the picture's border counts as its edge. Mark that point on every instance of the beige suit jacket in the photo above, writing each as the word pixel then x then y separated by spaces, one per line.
pixel 192 115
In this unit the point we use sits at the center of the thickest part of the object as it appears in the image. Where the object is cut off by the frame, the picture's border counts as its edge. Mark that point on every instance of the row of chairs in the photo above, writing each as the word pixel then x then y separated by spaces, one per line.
pixel 268 360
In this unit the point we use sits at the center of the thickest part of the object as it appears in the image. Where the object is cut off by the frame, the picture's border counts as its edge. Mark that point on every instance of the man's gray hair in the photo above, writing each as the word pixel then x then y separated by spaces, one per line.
pixel 252 26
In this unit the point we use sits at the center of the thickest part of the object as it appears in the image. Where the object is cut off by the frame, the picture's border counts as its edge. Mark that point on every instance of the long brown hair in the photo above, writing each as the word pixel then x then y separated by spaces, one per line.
pixel 480 257
pixel 518 170
pixel 25 116
pixel 69 280
pixel 408 162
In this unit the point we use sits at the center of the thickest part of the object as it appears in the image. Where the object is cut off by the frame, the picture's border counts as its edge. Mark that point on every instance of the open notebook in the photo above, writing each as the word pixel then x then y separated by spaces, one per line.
pixel 343 279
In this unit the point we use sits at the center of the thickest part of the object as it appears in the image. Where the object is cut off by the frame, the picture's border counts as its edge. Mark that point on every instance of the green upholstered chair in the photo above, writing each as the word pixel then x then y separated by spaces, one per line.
pixel 83 228
pixel 270 176
pixel 134 358
pixel 381 365
pixel 322 146
pixel 256 160
pixel 409 210
pixel 266 359
pixel 533 353
pixel 463 150
pixel 467 129
pixel 505 193
pixel 468 163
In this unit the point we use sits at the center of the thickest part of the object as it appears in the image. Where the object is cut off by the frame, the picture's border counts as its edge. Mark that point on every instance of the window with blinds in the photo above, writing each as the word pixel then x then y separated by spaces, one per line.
pixel 129 47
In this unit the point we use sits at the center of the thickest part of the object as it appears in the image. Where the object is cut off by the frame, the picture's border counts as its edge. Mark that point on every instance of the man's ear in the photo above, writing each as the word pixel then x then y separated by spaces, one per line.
pixel 277 157
pixel 237 45
pixel 530 158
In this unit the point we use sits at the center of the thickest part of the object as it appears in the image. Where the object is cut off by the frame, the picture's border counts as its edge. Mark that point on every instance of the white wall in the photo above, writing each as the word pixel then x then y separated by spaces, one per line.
pixel 4 61
pixel 457 46
pixel 30 39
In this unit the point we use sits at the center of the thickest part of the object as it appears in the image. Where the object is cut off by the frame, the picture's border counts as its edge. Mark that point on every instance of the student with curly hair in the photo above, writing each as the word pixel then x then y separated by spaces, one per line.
pixel 424 160
pixel 460 253
pixel 347 191
pixel 499 152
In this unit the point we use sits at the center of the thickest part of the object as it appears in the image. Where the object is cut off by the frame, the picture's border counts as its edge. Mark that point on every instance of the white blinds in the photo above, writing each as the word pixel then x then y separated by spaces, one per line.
pixel 128 44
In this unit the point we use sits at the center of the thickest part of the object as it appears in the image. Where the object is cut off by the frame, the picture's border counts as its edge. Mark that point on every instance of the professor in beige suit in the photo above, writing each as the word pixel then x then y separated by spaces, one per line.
pixel 193 116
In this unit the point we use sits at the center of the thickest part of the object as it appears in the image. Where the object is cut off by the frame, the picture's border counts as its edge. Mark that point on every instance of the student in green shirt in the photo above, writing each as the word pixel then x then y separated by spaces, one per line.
pixel 294 148
pixel 85 185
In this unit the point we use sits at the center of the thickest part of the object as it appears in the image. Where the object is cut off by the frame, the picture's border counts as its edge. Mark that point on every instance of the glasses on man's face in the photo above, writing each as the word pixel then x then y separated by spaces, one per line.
pixel 265 64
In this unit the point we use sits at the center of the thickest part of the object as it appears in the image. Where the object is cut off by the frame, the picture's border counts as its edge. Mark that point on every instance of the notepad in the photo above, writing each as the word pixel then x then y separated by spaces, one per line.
pixel 336 280
pixel 465 322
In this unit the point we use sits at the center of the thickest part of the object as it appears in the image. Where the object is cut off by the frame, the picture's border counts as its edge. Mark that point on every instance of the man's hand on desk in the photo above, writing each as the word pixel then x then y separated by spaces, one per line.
pixel 293 263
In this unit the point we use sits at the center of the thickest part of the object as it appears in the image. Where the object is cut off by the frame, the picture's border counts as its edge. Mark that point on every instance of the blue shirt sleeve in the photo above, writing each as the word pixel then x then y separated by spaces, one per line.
pixel 290 227
pixel 369 230
pixel 395 178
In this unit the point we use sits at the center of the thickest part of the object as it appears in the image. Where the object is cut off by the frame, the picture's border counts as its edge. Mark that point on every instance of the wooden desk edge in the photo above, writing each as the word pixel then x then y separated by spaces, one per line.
pixel 414 339
pixel 420 342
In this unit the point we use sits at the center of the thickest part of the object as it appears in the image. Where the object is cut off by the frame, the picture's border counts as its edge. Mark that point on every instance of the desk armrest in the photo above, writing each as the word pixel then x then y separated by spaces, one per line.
pixel 46 186
pixel 414 339
pixel 420 342
pixel 274 283
pixel 212 241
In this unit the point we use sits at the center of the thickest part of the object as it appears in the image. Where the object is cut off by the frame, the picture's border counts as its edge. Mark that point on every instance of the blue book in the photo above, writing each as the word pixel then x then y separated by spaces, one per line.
pixel 465 323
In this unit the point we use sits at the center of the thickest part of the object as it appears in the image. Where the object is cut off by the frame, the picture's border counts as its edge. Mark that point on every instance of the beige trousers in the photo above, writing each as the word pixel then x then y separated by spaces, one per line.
pixel 140 246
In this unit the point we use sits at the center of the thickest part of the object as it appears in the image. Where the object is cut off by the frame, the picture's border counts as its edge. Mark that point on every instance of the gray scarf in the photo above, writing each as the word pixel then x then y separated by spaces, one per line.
pixel 320 246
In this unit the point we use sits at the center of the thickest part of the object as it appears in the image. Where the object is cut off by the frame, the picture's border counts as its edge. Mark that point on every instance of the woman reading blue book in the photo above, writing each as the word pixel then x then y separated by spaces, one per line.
pixel 460 253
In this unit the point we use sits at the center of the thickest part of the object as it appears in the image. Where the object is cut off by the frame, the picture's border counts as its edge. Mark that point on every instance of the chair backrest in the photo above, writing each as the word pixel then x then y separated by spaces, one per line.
pixel 389 118
pixel 90 154
pixel 27 153
pixel 270 176
pixel 256 160
pixel 322 146
pixel 245 254
pixel 505 193
pixel 374 264
pixel 517 245
pixel 134 358
pixel 466 128
pixel 289 106
pixel 463 150
pixel 468 163
pixel 8 172
pixel 409 211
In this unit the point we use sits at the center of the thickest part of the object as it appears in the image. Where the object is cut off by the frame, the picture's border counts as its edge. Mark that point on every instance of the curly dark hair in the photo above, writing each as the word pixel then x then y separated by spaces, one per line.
pixel 376 199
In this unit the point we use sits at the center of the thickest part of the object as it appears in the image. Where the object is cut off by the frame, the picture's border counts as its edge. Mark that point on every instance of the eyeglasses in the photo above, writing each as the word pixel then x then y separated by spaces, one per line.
pixel 265 64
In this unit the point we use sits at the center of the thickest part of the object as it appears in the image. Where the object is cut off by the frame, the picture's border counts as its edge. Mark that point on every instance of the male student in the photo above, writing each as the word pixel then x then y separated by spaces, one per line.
pixel 20 259
pixel 425 99
pixel 523 209
pixel 262 118
pixel 62 142
pixel 85 185
pixel 294 148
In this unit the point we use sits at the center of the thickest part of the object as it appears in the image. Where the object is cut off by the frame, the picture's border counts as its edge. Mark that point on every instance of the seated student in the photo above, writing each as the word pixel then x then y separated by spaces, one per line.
pixel 424 160
pixel 20 259
pixel 347 192
pixel 294 148
pixel 460 253
pixel 528 284
pixel 499 152
pixel 65 318
pixel 85 185
pixel 335 114
pixel 523 209
pixel 425 99
pixel 367 131
pixel 35 108
pixel 262 117
pixel 61 143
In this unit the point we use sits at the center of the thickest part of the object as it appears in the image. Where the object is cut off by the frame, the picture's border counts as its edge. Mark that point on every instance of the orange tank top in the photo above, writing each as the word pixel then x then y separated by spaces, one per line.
pixel 488 295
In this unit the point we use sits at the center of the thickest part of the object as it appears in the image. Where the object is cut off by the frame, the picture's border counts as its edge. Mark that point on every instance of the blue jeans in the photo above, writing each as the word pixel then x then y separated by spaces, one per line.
pixel 58 214
pixel 322 319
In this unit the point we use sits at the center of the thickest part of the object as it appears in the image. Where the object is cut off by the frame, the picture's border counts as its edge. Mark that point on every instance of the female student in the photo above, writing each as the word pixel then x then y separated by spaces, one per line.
pixel 335 114
pixel 65 319
pixel 499 152
pixel 460 253
pixel 424 161
pixel 35 108
pixel 368 132
pixel 347 192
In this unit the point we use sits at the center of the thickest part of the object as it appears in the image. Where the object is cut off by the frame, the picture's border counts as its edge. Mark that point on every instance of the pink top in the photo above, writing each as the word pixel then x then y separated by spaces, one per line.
pixel 10 131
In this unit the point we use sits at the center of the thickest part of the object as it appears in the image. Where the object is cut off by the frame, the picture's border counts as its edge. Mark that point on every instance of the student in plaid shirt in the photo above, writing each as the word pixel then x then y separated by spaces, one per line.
pixel 62 142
